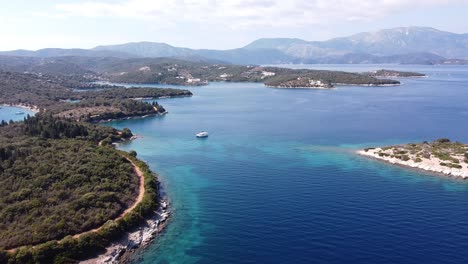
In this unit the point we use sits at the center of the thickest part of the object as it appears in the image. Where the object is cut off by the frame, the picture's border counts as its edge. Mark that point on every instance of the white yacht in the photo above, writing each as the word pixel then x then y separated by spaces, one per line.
pixel 202 134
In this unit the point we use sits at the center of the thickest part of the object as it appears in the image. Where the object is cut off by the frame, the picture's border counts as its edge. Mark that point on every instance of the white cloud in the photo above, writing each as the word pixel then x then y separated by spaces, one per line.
pixel 247 13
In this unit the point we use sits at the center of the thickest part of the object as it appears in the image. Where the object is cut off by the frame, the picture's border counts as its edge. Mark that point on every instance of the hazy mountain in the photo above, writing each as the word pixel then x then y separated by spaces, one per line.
pixel 239 56
pixel 275 43
pixel 89 65
pixel 403 40
pixel 246 56
pixel 52 52
pixel 365 58
pixel 387 42
pixel 148 49
pixel 418 45
pixel 63 65
pixel 421 44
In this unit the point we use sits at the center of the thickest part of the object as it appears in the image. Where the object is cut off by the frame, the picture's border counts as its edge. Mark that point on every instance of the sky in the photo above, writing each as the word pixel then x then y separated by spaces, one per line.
pixel 212 24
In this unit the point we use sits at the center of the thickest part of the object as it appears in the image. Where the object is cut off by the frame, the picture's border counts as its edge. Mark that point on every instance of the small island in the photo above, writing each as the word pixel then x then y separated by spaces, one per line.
pixel 394 74
pixel 440 156
pixel 300 78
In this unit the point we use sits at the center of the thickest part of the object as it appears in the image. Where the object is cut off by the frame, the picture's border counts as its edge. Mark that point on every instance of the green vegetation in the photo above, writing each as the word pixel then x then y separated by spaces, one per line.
pixel 95 110
pixel 403 157
pixel 68 185
pixel 450 154
pixel 50 93
pixel 56 181
pixel 59 175
pixel 451 165
pixel 180 72
pixel 329 78
pixel 393 74
pixel 69 250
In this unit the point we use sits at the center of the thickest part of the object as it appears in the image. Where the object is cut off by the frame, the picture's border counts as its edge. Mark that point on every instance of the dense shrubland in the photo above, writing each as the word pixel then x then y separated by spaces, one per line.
pixel 329 77
pixel 56 181
pixel 50 92
pixel 59 176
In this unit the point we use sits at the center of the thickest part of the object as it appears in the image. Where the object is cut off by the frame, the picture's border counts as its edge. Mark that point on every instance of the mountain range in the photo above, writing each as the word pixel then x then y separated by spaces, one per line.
pixel 407 45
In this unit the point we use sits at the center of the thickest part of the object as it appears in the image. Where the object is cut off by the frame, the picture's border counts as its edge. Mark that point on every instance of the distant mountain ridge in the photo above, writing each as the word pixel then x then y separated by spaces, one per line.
pixel 414 45
pixel 56 52
pixel 147 49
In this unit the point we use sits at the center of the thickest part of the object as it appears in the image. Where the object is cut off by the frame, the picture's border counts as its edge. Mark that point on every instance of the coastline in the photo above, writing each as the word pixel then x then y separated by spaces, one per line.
pixel 135 240
pixel 135 228
pixel 333 87
pixel 401 77
pixel 429 165
pixel 101 121
pixel 300 87
pixel 31 108
pixel 368 85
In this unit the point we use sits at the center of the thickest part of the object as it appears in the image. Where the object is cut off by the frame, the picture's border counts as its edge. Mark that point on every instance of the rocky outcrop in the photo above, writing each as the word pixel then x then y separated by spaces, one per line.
pixel 440 156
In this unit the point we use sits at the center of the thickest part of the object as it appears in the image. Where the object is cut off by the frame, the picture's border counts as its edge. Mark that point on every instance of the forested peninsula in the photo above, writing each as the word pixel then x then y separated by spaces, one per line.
pixel 183 72
pixel 59 173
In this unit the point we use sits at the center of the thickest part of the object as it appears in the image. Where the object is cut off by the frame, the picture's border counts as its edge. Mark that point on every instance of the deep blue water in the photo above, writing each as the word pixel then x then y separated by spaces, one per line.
pixel 277 180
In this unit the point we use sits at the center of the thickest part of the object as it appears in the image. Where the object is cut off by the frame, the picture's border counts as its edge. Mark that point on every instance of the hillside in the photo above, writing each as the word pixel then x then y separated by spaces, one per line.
pixel 59 174
pixel 170 71
pixel 53 93
pixel 419 42
pixel 394 74
pixel 55 52
pixel 91 186
pixel 403 40
pixel 146 49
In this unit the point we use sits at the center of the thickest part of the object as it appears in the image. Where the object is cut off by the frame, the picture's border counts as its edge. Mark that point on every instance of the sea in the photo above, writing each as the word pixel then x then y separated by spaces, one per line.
pixel 278 179
pixel 13 113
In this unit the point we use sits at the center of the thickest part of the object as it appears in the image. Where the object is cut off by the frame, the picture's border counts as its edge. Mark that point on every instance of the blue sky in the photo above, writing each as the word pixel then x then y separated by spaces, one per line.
pixel 213 24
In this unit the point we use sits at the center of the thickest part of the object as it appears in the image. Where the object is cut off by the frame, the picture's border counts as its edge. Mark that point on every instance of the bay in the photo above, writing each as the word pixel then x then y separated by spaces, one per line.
pixel 277 180
pixel 8 113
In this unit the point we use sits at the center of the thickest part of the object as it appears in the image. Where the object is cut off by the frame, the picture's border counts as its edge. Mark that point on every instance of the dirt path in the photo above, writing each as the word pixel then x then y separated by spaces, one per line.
pixel 141 193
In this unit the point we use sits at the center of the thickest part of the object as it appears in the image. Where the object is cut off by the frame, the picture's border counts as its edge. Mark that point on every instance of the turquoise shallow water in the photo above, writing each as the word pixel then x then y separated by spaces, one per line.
pixel 277 181
pixel 8 113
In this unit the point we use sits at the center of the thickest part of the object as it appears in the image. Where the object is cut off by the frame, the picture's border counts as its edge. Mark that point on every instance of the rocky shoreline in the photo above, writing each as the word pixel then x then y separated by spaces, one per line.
pixel 299 87
pixel 101 121
pixel 432 164
pixel 122 250
pixel 368 84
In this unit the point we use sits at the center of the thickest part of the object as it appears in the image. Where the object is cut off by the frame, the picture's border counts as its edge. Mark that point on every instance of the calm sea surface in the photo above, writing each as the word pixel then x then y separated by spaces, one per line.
pixel 277 181
pixel 8 113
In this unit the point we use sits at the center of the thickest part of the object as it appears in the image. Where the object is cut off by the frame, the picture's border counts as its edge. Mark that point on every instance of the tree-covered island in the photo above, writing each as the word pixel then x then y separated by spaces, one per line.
pixel 394 74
